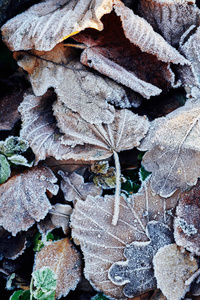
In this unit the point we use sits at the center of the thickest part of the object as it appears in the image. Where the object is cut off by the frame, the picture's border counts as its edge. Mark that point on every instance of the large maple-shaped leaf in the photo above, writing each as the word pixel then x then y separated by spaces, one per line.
pixel 187 221
pixel 172 270
pixel 65 261
pixel 23 198
pixel 170 18
pixel 43 25
pixel 129 51
pixel 173 144
pixel 82 90
pixel 102 243
pixel 137 273
pixel 39 126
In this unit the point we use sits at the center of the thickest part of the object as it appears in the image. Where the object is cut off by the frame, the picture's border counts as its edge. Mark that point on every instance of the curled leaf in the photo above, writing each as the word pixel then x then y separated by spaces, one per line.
pixel 23 198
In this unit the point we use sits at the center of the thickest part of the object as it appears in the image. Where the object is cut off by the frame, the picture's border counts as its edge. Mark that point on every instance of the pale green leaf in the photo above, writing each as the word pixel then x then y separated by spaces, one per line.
pixel 4 169
pixel 18 159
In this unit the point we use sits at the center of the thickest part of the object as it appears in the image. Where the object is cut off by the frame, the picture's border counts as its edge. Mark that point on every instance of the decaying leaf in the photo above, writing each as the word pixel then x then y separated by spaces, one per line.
pixel 170 18
pixel 187 221
pixel 129 51
pixel 39 126
pixel 74 188
pixel 173 144
pixel 102 243
pixel 58 216
pixel 23 198
pixel 65 261
pixel 43 25
pixel 82 90
pixel 172 270
pixel 137 273
pixel 11 247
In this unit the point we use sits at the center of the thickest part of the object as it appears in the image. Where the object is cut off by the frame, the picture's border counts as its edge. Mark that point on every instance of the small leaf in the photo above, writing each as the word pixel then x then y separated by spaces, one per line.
pixel 100 167
pixel 20 295
pixel 43 284
pixel 99 297
pixel 143 174
pixel 4 169
pixel 172 270
pixel 17 159
pixel 13 145
pixel 107 180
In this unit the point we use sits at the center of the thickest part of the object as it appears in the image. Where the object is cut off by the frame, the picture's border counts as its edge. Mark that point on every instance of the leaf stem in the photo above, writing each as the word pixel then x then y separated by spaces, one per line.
pixel 117 189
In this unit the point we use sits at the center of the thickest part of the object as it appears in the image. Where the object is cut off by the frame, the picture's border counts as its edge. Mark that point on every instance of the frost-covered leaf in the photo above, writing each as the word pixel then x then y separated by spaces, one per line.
pixel 170 18
pixel 82 90
pixel 19 160
pixel 102 243
pixel 173 144
pixel 137 273
pixel 99 141
pixel 43 25
pixel 13 145
pixel 57 217
pixel 23 198
pixel 43 284
pixel 172 270
pixel 39 126
pixel 107 180
pixel 129 51
pixel 4 169
pixel 74 188
pixel 11 247
pixel 65 261
pixel 187 221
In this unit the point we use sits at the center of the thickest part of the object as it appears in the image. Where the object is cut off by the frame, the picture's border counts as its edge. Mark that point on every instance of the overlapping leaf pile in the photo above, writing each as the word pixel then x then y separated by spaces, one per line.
pixel 92 65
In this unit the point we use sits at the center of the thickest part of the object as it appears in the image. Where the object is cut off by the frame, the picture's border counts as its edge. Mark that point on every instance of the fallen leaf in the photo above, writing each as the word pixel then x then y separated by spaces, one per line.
pixel 39 126
pixel 137 273
pixel 82 90
pixel 187 220
pixel 11 247
pixel 129 51
pixel 44 25
pixel 23 198
pixel 173 149
pixel 102 243
pixel 170 18
pixel 172 270
pixel 74 187
pixel 58 216
pixel 65 261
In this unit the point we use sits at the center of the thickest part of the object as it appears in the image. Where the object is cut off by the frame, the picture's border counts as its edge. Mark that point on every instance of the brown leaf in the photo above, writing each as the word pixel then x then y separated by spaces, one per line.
pixel 170 18
pixel 23 198
pixel 74 188
pixel 58 216
pixel 102 243
pixel 99 141
pixel 173 149
pixel 187 221
pixel 82 90
pixel 129 51
pixel 65 261
pixel 39 126
pixel 172 270
pixel 43 25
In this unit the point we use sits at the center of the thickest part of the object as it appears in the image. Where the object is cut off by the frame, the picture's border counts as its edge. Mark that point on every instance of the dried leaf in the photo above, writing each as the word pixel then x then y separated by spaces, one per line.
pixel 129 51
pixel 82 90
pixel 173 149
pixel 187 222
pixel 102 243
pixel 23 199
pixel 43 25
pixel 172 270
pixel 74 188
pixel 98 142
pixel 11 247
pixel 57 217
pixel 65 261
pixel 136 273
pixel 39 126
pixel 170 18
